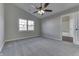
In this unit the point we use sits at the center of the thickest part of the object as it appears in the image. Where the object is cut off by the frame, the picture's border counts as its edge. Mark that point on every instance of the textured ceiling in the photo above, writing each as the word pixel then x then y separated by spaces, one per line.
pixel 56 7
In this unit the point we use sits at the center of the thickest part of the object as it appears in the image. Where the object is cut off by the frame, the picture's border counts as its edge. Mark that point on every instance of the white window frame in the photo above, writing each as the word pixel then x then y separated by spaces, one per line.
pixel 31 25
pixel 22 24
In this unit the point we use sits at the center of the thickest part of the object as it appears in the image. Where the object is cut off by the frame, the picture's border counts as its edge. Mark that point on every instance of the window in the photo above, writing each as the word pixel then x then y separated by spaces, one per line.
pixel 22 25
pixel 30 25
pixel 25 25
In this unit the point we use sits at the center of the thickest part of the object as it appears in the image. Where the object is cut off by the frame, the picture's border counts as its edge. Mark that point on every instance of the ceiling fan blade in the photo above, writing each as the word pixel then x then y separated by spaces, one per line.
pixel 35 12
pixel 40 6
pixel 48 10
pixel 45 5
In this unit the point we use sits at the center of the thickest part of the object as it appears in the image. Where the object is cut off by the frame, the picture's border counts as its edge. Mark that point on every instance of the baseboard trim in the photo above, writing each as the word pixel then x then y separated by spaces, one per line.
pixel 2 46
pixel 76 42
pixel 52 39
pixel 22 38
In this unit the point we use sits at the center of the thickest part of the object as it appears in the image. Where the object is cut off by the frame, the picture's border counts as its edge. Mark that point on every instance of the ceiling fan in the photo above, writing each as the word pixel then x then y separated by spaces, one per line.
pixel 42 9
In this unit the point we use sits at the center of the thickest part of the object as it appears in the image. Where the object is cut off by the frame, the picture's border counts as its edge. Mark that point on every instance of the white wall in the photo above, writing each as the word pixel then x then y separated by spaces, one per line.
pixel 1 26
pixel 51 28
pixel 12 15
pixel 52 25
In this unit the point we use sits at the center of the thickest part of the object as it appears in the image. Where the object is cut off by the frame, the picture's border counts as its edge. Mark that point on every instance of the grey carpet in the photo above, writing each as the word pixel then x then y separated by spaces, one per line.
pixel 39 47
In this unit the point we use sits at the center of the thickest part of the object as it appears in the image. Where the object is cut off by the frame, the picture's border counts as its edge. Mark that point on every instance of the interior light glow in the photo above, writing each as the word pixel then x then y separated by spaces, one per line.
pixel 41 12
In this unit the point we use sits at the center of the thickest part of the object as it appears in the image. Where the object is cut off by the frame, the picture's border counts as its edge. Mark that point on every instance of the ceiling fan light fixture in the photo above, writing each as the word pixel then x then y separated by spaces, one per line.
pixel 41 12
pixel 42 9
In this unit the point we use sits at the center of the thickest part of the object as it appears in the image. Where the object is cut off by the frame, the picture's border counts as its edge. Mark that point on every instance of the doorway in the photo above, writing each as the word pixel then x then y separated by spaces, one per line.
pixel 67 28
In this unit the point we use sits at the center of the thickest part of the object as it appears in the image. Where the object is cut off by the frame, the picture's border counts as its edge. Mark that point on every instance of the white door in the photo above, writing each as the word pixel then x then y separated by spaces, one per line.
pixel 76 30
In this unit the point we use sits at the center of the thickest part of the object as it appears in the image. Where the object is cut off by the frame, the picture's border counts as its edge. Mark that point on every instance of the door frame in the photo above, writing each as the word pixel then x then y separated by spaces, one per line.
pixel 71 17
pixel 76 18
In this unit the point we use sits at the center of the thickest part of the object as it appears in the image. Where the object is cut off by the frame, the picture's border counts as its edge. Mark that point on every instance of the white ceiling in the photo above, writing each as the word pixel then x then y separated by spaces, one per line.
pixel 56 7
